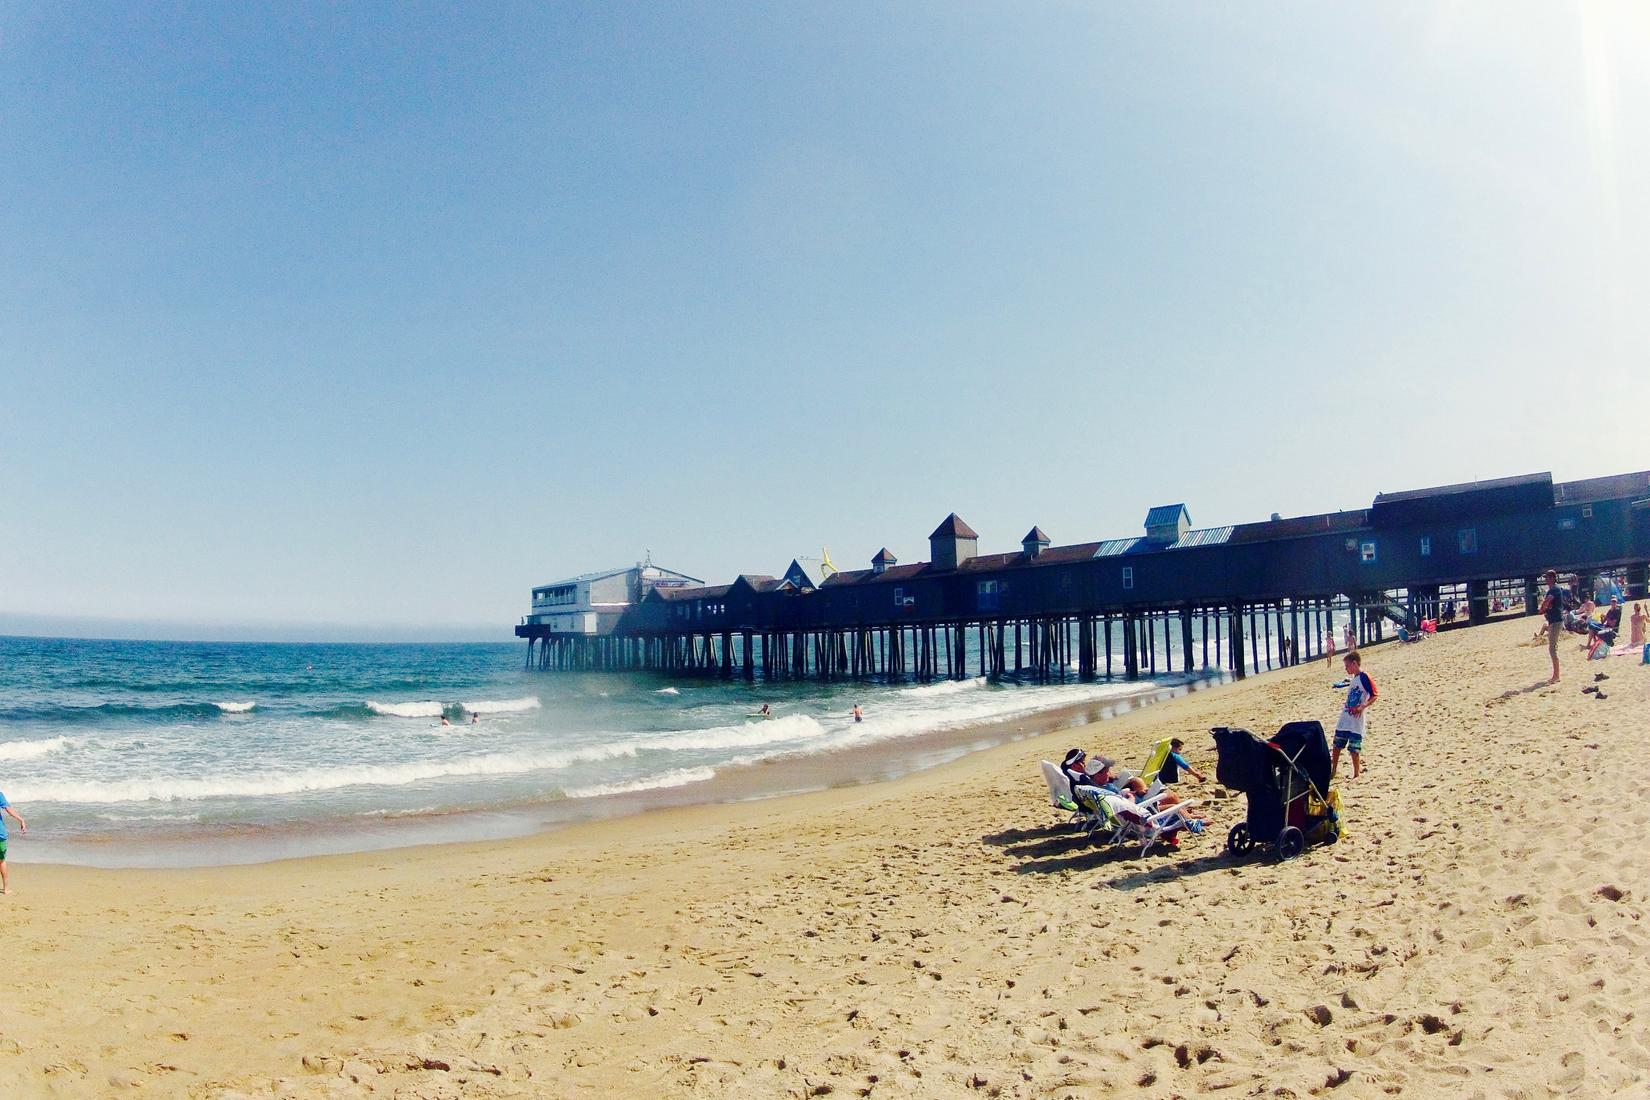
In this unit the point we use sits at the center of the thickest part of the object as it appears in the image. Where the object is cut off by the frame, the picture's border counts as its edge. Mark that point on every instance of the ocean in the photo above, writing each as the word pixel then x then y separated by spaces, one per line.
pixel 131 753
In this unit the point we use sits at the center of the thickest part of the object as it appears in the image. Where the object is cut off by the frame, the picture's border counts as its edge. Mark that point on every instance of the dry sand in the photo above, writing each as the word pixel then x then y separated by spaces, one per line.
pixel 1480 932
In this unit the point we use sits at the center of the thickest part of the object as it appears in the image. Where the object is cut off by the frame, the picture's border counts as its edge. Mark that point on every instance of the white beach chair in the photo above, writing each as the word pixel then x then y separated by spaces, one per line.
pixel 1059 791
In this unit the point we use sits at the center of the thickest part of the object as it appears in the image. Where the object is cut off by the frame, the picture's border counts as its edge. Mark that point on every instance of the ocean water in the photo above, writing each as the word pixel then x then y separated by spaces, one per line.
pixel 103 742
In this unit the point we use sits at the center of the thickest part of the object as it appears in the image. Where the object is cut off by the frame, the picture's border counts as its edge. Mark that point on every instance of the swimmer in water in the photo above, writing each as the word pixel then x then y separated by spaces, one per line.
pixel 444 721
pixel 859 715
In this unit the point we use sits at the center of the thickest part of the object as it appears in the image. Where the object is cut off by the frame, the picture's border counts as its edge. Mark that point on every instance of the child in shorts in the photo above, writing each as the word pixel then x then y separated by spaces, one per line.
pixel 1349 730
pixel 22 827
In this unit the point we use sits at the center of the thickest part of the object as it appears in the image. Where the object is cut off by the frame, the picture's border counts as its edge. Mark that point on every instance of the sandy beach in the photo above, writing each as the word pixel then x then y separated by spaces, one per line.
pixel 1478 933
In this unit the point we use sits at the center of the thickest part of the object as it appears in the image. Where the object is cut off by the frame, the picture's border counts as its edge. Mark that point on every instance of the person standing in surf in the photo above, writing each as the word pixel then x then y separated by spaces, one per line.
pixel 22 830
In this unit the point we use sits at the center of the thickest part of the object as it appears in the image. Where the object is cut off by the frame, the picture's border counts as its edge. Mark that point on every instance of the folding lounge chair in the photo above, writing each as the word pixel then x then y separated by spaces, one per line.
pixel 1059 791
pixel 1155 762
pixel 1147 824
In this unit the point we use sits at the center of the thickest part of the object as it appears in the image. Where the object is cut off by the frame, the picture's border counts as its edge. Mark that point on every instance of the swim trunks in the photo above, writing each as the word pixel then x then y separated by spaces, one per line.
pixel 1353 742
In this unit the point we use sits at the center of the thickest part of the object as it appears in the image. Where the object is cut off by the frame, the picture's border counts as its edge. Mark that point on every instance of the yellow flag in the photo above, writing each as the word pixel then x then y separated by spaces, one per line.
pixel 825 566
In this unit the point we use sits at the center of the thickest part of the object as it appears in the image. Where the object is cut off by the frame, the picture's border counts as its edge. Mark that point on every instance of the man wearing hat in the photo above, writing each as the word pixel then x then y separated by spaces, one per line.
pixel 1076 769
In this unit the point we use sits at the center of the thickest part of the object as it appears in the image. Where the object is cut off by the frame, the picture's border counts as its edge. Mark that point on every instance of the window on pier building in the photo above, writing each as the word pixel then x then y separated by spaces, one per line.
pixel 1366 553
pixel 988 595
pixel 1128 576
pixel 1426 546
pixel 1467 539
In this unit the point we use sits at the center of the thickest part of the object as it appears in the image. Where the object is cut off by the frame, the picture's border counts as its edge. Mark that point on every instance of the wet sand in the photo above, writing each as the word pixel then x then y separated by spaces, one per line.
pixel 1478 933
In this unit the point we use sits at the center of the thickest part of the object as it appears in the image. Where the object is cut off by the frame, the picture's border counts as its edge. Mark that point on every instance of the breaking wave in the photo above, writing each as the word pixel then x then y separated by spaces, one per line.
pixel 32 750
pixel 681 777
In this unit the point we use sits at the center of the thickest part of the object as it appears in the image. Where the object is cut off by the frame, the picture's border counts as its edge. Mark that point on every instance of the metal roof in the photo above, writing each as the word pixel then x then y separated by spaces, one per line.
pixel 1206 536
pixel 603 574
pixel 1166 513
pixel 1464 487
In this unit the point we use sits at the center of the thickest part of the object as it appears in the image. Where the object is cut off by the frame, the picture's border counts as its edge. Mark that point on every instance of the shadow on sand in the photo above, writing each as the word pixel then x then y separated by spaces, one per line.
pixel 1516 692
pixel 1055 848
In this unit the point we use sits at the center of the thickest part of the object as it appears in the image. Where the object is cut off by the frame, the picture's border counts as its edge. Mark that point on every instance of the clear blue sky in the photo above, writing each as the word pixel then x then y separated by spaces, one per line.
pixel 378 314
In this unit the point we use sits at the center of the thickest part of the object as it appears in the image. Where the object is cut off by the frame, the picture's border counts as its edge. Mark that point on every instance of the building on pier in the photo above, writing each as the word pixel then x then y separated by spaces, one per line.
pixel 1390 563
pixel 594 603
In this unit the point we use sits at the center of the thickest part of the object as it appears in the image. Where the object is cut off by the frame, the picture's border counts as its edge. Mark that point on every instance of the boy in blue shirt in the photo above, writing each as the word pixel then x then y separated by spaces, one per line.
pixel 1175 763
pixel 22 828
pixel 1349 730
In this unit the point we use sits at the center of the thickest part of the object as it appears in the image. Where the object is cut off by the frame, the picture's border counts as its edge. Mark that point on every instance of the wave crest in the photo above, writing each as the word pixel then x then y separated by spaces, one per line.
pixel 237 708
pixel 32 750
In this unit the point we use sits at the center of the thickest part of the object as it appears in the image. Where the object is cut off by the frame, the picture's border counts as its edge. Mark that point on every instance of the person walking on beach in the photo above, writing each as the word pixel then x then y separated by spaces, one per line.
pixel 1637 623
pixel 1329 647
pixel 1552 609
pixel 1349 729
pixel 22 830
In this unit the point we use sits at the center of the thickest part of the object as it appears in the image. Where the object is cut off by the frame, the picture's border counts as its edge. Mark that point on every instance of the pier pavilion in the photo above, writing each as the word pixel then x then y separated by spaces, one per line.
pixel 1173 598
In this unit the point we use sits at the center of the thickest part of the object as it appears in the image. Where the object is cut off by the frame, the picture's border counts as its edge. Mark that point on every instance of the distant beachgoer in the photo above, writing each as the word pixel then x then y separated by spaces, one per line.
pixel 1552 609
pixel 475 717
pixel 444 721
pixel 764 712
pixel 1328 647
pixel 22 829
pixel 1349 729
pixel 859 715
pixel 1346 636
pixel 1637 624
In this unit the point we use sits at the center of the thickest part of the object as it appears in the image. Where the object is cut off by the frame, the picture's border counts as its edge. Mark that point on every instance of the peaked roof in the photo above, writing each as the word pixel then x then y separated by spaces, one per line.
pixel 1167 513
pixel 884 557
pixel 759 582
pixel 1036 535
pixel 954 528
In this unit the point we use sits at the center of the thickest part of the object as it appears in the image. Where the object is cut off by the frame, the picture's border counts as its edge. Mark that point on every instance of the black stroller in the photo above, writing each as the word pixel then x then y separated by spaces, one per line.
pixel 1286 779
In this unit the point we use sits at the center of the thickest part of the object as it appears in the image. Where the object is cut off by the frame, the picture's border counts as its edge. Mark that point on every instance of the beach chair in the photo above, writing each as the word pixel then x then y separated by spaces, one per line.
pixel 1059 790
pixel 1155 762
pixel 1144 823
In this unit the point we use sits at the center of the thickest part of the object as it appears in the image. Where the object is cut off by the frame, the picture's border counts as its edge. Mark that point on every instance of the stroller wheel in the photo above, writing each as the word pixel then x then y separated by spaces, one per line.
pixel 1290 842
pixel 1238 841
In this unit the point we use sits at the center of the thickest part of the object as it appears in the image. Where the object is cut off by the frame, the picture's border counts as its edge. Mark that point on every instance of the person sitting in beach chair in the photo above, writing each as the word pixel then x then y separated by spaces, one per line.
pixel 1602 632
pixel 1077 771
pixel 1157 798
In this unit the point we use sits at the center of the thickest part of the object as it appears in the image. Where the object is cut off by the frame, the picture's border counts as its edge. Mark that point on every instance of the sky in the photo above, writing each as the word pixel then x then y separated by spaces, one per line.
pixel 324 319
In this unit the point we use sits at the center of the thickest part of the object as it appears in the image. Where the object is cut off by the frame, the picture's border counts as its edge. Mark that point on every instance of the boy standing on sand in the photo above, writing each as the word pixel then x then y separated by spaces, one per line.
pixel 22 828
pixel 1349 731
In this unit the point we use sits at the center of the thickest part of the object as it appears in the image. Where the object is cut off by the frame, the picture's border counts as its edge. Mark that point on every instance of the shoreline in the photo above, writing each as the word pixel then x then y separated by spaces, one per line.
pixel 778 777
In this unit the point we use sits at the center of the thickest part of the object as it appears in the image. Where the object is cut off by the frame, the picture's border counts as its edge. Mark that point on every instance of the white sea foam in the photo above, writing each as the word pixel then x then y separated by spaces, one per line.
pixel 428 708
pixel 680 777
pixel 237 708
pixel 946 687
pixel 502 706
pixel 32 750
pixel 308 780
pixel 662 691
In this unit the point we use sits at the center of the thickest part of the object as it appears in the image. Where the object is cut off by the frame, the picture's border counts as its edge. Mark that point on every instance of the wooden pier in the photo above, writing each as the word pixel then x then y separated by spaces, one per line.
pixel 1176 600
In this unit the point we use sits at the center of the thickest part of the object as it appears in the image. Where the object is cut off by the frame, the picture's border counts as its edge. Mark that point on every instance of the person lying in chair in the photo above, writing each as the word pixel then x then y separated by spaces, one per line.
pixel 1075 768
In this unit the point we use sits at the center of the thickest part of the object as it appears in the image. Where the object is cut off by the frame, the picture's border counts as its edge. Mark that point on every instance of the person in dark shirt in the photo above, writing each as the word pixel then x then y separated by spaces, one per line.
pixel 1552 609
